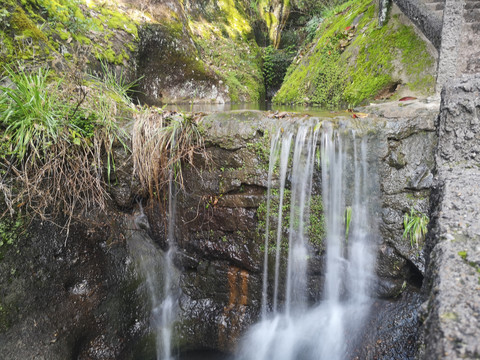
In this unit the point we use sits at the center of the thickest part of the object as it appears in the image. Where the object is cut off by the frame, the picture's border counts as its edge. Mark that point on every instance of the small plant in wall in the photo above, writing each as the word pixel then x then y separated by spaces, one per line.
pixel 347 220
pixel 415 225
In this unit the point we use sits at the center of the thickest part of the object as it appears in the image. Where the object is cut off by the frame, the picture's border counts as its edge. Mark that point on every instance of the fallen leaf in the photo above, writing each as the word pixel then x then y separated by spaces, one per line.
pixel 406 98
pixel 361 115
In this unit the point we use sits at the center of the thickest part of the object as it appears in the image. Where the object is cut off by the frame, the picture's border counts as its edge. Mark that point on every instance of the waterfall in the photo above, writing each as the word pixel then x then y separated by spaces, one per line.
pixel 328 330
pixel 171 287
pixel 161 276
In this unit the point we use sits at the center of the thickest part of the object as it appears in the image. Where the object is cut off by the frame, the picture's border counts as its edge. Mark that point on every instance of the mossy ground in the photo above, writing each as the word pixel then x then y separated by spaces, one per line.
pixel 351 59
pixel 49 30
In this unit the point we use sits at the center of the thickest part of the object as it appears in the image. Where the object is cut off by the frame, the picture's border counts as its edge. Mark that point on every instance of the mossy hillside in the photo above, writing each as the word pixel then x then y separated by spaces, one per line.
pixel 55 29
pixel 223 34
pixel 351 60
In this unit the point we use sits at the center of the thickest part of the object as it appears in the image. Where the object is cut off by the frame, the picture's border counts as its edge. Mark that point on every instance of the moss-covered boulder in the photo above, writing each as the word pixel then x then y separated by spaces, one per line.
pixel 351 59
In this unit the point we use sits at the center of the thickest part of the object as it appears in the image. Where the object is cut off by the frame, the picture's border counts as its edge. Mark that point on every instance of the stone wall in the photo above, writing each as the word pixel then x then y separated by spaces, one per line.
pixel 424 19
pixel 451 314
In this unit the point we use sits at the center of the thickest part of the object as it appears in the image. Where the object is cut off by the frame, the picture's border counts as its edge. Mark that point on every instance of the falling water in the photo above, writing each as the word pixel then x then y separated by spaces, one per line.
pixel 161 276
pixel 171 288
pixel 326 330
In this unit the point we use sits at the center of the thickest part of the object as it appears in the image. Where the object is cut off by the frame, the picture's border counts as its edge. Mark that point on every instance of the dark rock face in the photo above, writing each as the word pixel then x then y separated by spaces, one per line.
pixel 459 52
pixel 405 178
pixel 451 314
pixel 69 299
pixel 391 330
pixel 100 303
pixel 170 68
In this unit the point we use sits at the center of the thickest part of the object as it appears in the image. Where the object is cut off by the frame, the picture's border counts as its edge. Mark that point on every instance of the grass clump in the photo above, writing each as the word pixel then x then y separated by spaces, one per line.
pixel 415 227
pixel 161 142
pixel 58 136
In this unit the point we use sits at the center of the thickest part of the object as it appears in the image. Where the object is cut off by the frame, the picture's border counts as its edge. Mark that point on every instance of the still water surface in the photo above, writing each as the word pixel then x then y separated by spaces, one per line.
pixel 263 106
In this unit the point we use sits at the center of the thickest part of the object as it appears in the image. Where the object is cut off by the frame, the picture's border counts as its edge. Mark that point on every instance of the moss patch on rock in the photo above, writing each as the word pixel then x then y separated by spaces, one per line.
pixel 223 34
pixel 351 59
pixel 315 230
pixel 56 30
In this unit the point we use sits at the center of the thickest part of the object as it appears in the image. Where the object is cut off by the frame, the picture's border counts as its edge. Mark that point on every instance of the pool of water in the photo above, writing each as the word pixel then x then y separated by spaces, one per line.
pixel 263 106
pixel 204 355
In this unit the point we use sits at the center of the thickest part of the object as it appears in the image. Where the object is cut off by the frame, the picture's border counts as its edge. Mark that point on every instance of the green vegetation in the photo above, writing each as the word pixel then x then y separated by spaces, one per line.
pixel 415 225
pixel 347 220
pixel 53 128
pixel 351 59
pixel 161 142
pixel 261 147
pixel 233 56
pixel 275 64
pixel 56 30
pixel 10 230
pixel 315 229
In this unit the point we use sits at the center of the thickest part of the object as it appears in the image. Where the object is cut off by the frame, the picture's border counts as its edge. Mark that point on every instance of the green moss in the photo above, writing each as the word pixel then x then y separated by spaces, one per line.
pixel 236 21
pixel 347 64
pixel 225 41
pixel 316 227
pixel 117 20
pixel 23 25
pixel 238 63
pixel 261 147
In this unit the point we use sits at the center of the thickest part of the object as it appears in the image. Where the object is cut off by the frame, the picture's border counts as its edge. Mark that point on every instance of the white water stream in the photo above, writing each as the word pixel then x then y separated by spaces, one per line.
pixel 161 276
pixel 328 330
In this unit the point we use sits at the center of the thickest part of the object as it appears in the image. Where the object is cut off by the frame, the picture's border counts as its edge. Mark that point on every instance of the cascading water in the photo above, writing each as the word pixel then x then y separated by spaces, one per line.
pixel 327 330
pixel 171 288
pixel 162 278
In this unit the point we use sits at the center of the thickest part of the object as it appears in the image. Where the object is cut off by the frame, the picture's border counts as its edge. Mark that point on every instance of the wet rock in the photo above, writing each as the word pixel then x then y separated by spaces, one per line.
pixel 70 297
pixel 391 330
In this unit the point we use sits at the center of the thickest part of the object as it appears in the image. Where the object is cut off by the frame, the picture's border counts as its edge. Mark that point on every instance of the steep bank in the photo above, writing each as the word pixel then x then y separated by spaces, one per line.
pixel 352 59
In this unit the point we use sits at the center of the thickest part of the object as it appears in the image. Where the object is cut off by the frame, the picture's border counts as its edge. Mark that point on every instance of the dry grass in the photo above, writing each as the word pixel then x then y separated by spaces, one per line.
pixel 161 142
pixel 56 149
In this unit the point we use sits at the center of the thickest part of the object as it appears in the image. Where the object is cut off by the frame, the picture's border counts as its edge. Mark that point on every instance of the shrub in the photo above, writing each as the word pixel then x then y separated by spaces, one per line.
pixel 161 141
pixel 275 65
